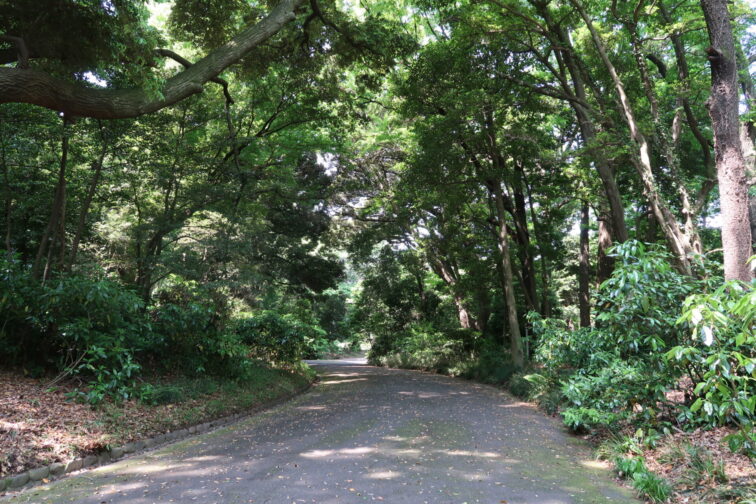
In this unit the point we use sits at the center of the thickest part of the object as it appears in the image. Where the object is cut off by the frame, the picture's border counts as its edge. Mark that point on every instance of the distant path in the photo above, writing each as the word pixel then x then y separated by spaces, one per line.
pixel 364 434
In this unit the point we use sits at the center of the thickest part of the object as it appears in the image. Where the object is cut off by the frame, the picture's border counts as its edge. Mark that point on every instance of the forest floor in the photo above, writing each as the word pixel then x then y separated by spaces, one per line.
pixel 40 425
pixel 701 467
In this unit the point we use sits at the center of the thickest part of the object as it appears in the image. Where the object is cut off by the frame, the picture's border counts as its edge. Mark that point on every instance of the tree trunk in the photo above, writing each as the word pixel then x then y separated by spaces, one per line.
pixel 516 348
pixel 448 273
pixel 97 168
pixel 523 239
pixel 8 203
pixel 728 153
pixel 664 138
pixel 584 295
pixel 56 224
pixel 605 262
pixel 679 242
pixel 587 126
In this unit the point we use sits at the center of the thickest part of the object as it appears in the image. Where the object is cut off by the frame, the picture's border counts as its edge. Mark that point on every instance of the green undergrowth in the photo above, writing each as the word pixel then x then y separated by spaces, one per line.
pixel 180 402
pixel 692 471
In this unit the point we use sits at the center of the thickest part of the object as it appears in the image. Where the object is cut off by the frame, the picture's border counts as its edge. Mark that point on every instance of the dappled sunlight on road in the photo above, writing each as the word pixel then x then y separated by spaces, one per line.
pixel 363 434
pixel 383 475
pixel 333 382
pixel 595 464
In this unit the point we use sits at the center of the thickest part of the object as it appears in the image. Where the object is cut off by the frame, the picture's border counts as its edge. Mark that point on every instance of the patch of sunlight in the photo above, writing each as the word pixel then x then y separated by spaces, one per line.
pixel 407 452
pixel 395 438
pixel 518 404
pixel 383 475
pixel 150 468
pixel 317 453
pixel 467 453
pixel 331 382
pixel 362 450
pixel 13 426
pixel 204 458
pixel 121 487
pixel 594 464
pixel 343 375
pixel 356 451
pixel 311 408
pixel 475 476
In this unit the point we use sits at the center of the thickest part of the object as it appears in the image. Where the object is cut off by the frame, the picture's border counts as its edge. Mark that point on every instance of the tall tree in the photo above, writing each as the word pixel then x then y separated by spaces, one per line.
pixel 731 173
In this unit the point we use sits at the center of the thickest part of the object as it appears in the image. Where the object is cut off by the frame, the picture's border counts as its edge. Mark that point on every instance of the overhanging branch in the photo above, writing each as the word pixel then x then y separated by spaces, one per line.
pixel 22 51
pixel 39 88
pixel 186 64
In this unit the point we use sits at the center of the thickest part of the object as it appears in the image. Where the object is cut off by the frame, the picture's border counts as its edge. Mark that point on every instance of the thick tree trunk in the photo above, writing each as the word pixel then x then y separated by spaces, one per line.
pixel 728 153
pixel 515 338
pixel 584 295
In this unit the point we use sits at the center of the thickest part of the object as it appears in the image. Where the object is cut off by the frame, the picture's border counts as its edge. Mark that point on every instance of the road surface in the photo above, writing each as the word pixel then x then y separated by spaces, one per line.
pixel 363 434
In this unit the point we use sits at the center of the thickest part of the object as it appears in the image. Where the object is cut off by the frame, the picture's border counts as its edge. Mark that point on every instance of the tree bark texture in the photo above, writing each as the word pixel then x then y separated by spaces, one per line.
pixel 728 153
pixel 55 229
pixel 515 338
pixel 584 295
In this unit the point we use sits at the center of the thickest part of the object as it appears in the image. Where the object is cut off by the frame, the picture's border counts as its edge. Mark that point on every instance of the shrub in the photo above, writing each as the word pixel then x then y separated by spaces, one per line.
pixel 88 326
pixel 320 347
pixel 616 370
pixel 422 346
pixel 491 364
pixel 166 394
pixel 276 338
pixel 720 356
pixel 519 386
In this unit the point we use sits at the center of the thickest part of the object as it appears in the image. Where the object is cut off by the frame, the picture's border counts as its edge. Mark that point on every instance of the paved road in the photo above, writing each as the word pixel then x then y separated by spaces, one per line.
pixel 363 434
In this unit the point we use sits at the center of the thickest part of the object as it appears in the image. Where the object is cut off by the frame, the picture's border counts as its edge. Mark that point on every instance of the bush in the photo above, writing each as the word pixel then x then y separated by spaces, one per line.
pixel 88 326
pixel 520 386
pixel 422 346
pixel 190 334
pixel 276 338
pixel 491 364
pixel 616 370
pixel 320 347
pixel 166 394
pixel 720 355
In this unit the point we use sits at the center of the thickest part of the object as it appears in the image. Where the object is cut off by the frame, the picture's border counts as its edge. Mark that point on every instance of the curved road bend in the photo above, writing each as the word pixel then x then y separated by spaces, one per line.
pixel 363 434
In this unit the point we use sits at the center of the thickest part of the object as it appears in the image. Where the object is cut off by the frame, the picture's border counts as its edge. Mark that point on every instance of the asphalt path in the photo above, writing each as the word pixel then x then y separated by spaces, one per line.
pixel 362 434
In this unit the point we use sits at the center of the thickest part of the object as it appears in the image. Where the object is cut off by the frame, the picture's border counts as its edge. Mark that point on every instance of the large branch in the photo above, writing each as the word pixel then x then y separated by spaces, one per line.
pixel 39 88
pixel 186 64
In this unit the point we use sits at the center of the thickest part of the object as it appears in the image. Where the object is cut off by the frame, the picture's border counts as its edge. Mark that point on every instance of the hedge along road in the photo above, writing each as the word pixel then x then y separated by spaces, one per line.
pixel 362 434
